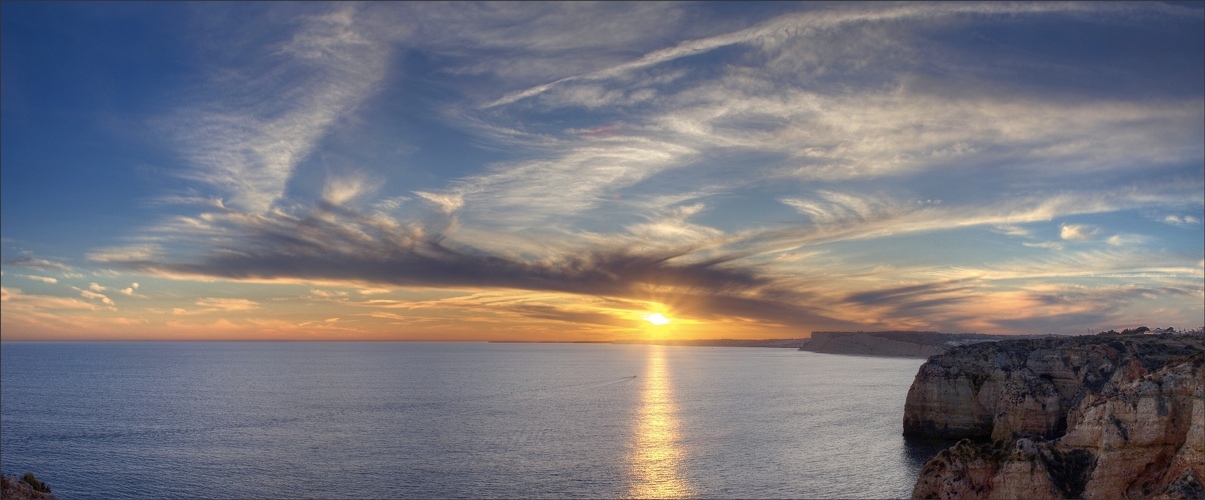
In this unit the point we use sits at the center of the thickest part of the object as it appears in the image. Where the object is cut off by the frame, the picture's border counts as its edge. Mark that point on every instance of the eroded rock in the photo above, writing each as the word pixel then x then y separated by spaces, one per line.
pixel 1134 428
pixel 12 488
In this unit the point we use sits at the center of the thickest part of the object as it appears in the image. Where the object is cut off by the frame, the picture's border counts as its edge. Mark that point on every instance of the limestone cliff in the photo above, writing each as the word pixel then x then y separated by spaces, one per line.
pixel 1084 417
pixel 29 488
pixel 1001 390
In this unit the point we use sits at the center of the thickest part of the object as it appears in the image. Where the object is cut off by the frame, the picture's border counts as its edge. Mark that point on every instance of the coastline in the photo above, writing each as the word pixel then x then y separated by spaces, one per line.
pixel 889 344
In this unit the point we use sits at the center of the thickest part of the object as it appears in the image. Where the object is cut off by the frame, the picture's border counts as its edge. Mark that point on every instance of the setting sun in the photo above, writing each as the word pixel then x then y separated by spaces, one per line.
pixel 656 319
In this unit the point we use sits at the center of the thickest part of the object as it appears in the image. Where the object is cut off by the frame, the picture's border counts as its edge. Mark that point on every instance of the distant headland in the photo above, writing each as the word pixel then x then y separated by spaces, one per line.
pixel 894 343
pixel 908 344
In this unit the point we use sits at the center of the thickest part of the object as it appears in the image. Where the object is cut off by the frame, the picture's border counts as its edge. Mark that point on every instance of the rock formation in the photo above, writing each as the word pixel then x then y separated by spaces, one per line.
pixel 27 488
pixel 1080 417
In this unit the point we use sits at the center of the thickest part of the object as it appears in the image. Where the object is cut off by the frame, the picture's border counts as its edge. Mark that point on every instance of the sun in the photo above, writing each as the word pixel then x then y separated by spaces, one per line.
pixel 656 319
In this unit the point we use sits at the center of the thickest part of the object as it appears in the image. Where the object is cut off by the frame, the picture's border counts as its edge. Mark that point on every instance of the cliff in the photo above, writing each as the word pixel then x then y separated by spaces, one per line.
pixel 1079 417
pixel 893 343
pixel 27 488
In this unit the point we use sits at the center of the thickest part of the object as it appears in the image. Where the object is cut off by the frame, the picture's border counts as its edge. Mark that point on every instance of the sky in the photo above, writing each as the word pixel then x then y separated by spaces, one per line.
pixel 596 171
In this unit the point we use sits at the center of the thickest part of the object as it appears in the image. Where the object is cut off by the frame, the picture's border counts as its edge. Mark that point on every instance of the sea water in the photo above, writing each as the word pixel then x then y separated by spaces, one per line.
pixel 394 420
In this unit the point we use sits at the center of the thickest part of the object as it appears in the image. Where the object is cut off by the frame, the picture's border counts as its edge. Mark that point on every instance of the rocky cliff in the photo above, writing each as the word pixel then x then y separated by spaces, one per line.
pixel 28 488
pixel 1080 417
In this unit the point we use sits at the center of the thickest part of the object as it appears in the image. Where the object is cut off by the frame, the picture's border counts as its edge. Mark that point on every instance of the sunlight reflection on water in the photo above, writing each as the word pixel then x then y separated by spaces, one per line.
pixel 656 459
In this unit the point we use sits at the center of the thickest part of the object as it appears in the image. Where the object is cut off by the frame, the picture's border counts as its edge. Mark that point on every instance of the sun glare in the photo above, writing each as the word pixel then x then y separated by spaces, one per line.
pixel 656 319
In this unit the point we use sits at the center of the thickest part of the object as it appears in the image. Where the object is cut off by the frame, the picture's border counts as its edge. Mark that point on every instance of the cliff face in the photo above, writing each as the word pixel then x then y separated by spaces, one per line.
pixel 1001 390
pixel 12 488
pixel 1148 438
pixel 1132 426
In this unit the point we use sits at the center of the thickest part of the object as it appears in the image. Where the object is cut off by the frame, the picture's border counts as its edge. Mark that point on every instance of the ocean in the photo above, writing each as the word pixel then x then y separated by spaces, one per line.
pixel 453 420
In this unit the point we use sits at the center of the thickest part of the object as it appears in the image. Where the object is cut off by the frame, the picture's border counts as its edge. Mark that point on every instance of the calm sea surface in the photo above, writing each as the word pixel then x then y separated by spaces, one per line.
pixel 389 420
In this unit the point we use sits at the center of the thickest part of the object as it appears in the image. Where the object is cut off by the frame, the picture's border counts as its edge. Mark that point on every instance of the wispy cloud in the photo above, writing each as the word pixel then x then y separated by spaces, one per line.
pixel 1012 230
pixel 775 31
pixel 14 299
pixel 447 202
pixel 326 294
pixel 92 294
pixel 249 145
pixel 32 262
pixel 1184 221
pixel 1078 232
pixel 43 279
pixel 1121 240
pixel 828 208
pixel 774 184
pixel 340 190
pixel 218 305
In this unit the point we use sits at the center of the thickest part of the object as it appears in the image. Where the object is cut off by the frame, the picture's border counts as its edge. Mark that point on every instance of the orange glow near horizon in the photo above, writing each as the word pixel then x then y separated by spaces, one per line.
pixel 165 310
pixel 320 315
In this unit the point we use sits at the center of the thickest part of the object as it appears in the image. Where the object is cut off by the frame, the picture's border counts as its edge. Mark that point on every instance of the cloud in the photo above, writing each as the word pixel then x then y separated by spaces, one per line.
pixel 28 317
pixel 90 295
pixel 1055 308
pixel 388 315
pixel 978 304
pixel 356 250
pixel 328 295
pixel 668 228
pixel 816 134
pixel 829 208
pixel 772 32
pixel 32 262
pixel 720 275
pixel 428 262
pixel 1120 240
pixel 218 305
pixel 576 179
pixel 1178 221
pixel 1011 230
pixel 649 172
pixel 855 217
pixel 130 291
pixel 249 145
pixel 1078 232
pixel 15 300
pixel 340 190
pixel 43 279
pixel 1052 245
pixel 225 304
pixel 897 127
pixel 509 305
pixel 128 253
pixel 913 301
pixel 447 202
